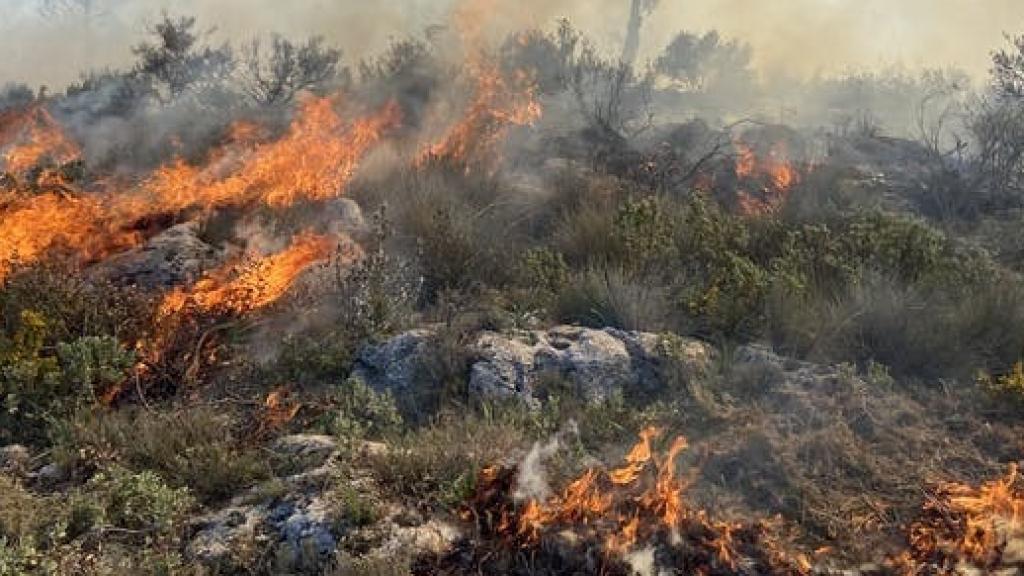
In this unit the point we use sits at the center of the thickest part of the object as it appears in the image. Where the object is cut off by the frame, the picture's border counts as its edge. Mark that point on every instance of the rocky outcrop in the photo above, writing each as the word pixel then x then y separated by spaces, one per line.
pixel 173 257
pixel 596 363
pixel 294 519
pixel 299 519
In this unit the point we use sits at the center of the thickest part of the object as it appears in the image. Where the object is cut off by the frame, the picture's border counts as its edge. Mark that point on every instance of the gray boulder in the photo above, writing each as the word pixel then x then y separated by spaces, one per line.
pixel 296 524
pixel 596 363
pixel 174 257
pixel 394 364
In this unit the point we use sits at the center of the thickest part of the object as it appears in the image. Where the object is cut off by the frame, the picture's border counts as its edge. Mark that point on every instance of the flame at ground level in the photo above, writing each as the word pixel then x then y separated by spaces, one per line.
pixel 315 160
pixel 238 290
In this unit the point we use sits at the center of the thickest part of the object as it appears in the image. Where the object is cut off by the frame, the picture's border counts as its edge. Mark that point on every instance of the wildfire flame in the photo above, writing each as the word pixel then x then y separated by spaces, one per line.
pixel 315 160
pixel 634 506
pixel 629 518
pixel 257 285
pixel 774 174
pixel 498 103
pixel 28 138
pixel 968 524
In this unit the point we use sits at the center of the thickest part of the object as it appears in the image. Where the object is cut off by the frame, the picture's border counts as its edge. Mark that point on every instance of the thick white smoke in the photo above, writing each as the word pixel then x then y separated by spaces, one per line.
pixel 51 41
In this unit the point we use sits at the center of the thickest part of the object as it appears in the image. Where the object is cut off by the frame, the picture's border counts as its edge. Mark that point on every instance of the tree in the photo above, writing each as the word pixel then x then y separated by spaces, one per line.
pixel 175 60
pixel 15 96
pixel 276 74
pixel 638 11
pixel 703 62
pixel 1008 70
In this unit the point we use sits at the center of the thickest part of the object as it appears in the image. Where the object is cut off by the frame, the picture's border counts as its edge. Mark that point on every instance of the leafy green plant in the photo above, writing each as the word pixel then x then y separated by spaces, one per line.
pixel 140 502
pixel 196 448
pixel 361 412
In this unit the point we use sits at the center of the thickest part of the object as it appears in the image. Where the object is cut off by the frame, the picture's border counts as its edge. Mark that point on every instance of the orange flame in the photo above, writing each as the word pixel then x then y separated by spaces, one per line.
pixel 256 286
pixel 498 105
pixel 35 137
pixel 315 160
pixel 591 500
pixel 775 175
pixel 965 523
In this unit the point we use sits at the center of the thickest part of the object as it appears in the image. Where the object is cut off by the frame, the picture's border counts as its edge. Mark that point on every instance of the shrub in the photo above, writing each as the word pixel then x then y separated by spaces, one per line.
pixel 194 447
pixel 361 412
pixel 139 502
pixel 73 306
pixel 36 388
pixel 609 296
pixel 437 465
pixel 380 293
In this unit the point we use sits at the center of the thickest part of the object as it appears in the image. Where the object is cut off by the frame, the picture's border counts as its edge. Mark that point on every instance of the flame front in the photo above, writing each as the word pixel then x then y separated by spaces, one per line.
pixel 256 285
pixel 315 160
pixel 498 103
pixel 620 507
pixel 29 137
pixel 966 524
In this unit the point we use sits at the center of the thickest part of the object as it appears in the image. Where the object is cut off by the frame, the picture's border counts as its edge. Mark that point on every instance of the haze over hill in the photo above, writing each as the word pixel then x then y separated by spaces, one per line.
pixel 51 41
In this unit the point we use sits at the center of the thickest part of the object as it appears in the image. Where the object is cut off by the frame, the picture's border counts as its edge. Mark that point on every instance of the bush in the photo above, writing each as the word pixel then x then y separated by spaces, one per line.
pixel 194 448
pixel 139 502
pixel 36 389
pixel 437 465
pixel 604 296
pixel 73 306
pixel 363 413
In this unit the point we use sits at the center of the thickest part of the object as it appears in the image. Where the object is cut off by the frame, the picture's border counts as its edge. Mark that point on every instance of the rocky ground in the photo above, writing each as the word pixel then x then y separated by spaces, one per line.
pixel 840 455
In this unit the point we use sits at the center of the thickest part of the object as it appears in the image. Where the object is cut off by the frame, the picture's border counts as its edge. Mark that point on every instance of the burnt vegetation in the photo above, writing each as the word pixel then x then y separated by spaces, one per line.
pixel 204 255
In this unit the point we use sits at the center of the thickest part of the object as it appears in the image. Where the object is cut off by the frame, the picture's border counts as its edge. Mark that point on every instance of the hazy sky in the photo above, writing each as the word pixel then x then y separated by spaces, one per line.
pixel 50 41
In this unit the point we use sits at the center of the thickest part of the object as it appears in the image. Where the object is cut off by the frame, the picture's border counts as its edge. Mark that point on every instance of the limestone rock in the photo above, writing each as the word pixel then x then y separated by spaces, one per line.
pixel 176 256
pixel 596 363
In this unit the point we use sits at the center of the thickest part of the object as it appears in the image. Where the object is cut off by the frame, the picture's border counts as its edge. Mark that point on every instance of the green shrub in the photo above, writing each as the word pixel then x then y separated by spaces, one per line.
pixel 437 465
pixel 605 296
pixel 37 387
pixel 360 412
pixel 73 306
pixel 140 502
pixel 378 294
pixel 195 448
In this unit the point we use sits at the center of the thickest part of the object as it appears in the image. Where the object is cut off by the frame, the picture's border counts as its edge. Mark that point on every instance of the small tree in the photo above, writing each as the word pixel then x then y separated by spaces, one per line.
pixel 274 74
pixel 1008 69
pixel 15 96
pixel 174 60
pixel 703 62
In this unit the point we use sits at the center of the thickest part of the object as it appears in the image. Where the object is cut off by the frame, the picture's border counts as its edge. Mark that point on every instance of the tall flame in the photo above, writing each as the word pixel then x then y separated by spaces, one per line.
pixel 315 160
pixel 498 103
pixel 28 138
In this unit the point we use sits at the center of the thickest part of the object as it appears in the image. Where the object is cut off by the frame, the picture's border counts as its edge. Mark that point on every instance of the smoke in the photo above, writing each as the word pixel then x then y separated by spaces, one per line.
pixel 532 483
pixel 51 41
pixel 642 562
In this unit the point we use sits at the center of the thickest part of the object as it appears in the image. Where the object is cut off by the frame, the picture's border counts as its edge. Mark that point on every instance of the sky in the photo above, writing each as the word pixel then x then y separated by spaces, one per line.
pixel 48 42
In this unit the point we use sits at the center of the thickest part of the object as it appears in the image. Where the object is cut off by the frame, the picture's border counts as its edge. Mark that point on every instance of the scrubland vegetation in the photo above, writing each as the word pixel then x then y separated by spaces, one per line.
pixel 879 234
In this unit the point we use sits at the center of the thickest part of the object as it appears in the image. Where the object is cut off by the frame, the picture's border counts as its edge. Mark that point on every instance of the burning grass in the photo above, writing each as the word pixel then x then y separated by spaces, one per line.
pixel 606 521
